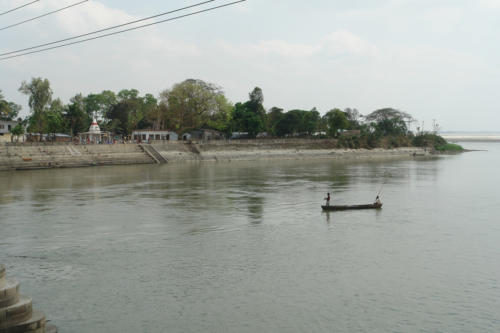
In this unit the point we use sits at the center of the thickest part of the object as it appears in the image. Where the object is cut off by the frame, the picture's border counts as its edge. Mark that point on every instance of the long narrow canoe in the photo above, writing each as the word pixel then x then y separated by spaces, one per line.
pixel 348 207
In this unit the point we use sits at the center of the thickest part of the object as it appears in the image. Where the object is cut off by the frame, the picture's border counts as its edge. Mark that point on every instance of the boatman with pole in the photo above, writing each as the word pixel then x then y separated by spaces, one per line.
pixel 327 199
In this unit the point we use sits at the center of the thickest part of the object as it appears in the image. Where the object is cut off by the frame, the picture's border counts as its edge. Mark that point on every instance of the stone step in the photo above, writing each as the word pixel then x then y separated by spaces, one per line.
pixel 18 312
pixel 34 324
pixel 9 293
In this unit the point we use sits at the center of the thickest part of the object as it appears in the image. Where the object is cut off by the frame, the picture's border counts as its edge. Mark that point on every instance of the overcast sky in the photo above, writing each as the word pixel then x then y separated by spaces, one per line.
pixel 433 59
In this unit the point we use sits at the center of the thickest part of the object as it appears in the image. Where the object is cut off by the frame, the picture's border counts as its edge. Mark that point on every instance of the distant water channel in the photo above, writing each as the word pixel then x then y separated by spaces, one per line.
pixel 244 247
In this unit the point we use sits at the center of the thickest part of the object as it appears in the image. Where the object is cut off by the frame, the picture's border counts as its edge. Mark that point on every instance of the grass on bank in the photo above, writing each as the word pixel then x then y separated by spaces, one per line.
pixel 449 147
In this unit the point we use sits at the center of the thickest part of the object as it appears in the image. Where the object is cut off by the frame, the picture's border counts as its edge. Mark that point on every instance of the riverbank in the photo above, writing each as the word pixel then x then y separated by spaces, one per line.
pixel 39 156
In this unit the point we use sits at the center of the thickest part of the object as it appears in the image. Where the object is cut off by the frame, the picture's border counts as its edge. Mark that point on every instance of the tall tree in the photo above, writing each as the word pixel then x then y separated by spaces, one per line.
pixel 335 120
pixel 54 118
pixel 389 121
pixel 39 98
pixel 251 116
pixel 195 104
pixel 273 117
pixel 245 120
pixel 99 104
pixel 76 118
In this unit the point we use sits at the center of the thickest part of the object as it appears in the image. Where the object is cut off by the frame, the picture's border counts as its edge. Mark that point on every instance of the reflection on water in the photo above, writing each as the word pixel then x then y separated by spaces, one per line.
pixel 245 247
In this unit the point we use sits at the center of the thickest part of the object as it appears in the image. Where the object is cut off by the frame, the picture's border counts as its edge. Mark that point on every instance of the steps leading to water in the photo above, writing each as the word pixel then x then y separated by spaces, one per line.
pixel 155 155
pixel 25 157
pixel 16 312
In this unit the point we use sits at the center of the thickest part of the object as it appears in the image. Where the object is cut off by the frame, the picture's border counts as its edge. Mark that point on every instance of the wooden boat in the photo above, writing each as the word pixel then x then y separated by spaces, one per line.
pixel 352 207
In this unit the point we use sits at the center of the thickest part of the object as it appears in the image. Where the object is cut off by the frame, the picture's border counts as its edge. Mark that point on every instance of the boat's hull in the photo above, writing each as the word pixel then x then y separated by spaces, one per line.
pixel 352 207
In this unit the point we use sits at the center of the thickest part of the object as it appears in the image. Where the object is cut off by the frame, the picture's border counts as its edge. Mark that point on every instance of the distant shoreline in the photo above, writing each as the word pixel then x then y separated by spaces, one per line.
pixel 471 137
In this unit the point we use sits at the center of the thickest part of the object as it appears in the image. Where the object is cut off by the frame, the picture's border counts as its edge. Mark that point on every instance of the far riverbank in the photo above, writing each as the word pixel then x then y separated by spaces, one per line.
pixel 43 156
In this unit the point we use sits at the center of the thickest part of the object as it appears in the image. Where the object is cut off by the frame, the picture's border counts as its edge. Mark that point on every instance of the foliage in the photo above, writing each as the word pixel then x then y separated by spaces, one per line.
pixel 76 118
pixel 394 126
pixel 54 118
pixel 39 98
pixel 245 120
pixel 99 104
pixel 388 113
pixel 196 104
pixel 16 131
pixel 8 110
pixel 273 117
pixel 297 122
pixel 250 116
pixel 428 140
pixel 335 121
pixel 450 147
pixel 353 116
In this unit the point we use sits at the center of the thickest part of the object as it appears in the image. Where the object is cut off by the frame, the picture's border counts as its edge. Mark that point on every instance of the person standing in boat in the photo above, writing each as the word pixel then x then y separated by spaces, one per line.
pixel 377 200
pixel 327 199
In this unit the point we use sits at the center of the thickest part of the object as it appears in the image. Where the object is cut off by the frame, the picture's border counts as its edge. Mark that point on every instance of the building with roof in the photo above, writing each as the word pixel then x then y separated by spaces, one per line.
pixel 5 127
pixel 153 135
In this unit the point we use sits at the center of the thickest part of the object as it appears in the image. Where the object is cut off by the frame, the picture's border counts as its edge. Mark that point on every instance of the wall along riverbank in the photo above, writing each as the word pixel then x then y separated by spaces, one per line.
pixel 44 156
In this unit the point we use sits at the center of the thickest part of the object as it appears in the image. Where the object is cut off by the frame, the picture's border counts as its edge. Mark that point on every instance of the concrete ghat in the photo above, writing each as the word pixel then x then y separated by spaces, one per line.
pixel 24 157
pixel 16 313
pixel 247 150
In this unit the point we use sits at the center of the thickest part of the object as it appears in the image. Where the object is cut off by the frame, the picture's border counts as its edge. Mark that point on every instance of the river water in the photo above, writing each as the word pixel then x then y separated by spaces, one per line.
pixel 244 247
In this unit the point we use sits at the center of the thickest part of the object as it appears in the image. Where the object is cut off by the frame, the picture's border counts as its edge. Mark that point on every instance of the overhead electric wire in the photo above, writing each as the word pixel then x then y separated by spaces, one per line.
pixel 105 29
pixel 47 14
pixel 9 11
pixel 125 30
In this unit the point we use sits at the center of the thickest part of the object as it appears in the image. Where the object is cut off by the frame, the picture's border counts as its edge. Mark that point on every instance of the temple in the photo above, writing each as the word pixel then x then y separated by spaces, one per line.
pixel 95 135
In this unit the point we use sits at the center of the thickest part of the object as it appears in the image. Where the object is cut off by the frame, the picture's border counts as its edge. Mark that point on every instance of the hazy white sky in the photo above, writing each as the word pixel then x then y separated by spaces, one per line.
pixel 435 59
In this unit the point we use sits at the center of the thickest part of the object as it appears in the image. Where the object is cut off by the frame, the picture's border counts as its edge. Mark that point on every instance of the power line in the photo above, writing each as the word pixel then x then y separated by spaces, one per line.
pixel 47 14
pixel 9 11
pixel 105 29
pixel 125 30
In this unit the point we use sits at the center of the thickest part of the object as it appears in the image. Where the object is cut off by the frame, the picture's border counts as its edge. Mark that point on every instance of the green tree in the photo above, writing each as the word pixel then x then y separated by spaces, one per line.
pixel 289 124
pixel 16 131
pixel 40 97
pixel 195 104
pixel 245 120
pixel 335 121
pixel 310 121
pixel 131 112
pixel 100 104
pixel 76 118
pixel 251 116
pixel 273 117
pixel 152 113
pixel 389 121
pixel 8 110
pixel 54 118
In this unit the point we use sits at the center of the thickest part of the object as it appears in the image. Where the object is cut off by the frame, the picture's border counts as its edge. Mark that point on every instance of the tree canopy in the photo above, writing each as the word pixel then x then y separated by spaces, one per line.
pixel 8 110
pixel 196 104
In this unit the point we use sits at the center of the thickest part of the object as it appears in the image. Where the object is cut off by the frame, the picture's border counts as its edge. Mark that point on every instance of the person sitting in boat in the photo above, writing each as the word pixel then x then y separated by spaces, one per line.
pixel 377 200
pixel 327 199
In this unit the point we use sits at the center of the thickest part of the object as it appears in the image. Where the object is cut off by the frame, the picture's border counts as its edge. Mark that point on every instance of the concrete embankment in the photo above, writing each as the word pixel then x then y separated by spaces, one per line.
pixel 25 157
pixel 246 150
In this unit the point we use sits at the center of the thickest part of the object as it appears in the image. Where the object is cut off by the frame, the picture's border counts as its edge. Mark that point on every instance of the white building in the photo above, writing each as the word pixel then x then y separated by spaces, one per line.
pixel 5 127
pixel 95 135
pixel 151 135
